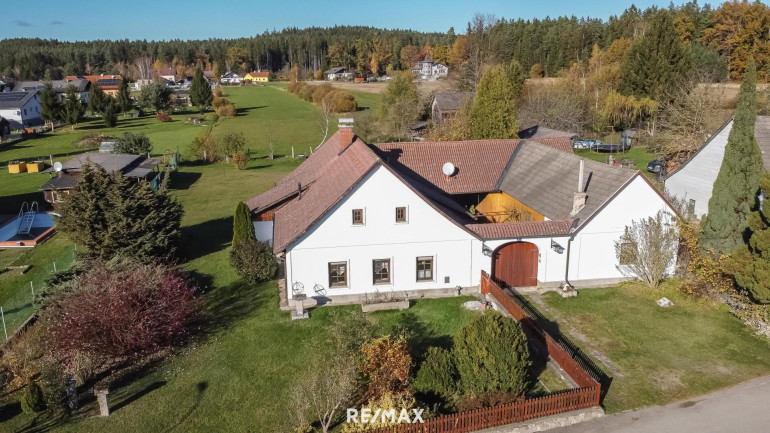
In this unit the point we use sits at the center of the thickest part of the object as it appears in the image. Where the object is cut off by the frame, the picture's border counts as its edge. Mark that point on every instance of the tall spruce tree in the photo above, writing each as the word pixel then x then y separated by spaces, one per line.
pixel 124 97
pixel 736 189
pixel 200 91
pixel 110 113
pixel 655 61
pixel 750 264
pixel 243 228
pixel 73 109
pixel 50 108
pixel 97 100
pixel 83 217
pixel 493 113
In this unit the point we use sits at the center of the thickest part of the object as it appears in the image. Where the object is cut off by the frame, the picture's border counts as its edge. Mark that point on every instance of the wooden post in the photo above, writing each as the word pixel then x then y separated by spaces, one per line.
pixel 292 152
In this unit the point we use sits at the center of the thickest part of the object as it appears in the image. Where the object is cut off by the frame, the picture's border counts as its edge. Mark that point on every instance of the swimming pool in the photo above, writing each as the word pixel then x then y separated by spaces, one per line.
pixel 42 227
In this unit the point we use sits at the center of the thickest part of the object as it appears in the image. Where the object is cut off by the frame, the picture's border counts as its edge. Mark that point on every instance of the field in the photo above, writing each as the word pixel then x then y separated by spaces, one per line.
pixel 659 355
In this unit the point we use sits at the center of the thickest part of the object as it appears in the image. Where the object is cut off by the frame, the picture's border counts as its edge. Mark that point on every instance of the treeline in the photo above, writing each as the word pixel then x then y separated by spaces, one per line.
pixel 734 31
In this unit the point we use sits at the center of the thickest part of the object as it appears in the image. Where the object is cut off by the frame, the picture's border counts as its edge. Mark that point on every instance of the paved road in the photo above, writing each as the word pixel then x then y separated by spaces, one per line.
pixel 743 408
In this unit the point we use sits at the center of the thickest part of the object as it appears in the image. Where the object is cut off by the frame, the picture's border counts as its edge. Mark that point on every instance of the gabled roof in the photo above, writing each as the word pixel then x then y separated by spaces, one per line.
pixel 479 164
pixel 258 74
pixel 523 229
pixel 166 71
pixel 546 179
pixel 11 100
pixel 452 101
pixel 61 181
pixel 105 81
pixel 59 86
pixel 334 70
pixel 129 165
pixel 538 131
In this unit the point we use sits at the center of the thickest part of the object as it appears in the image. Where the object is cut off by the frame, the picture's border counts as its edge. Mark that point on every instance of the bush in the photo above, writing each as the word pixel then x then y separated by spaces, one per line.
pixel 306 92
pixel 135 144
pixel 121 310
pixel 243 228
pixel 54 385
pixel 386 364
pixel 437 374
pixel 253 261
pixel 320 92
pixel 90 141
pixel 163 117
pixel 491 354
pixel 240 160
pixel 227 110
pixel 219 101
pixel 32 400
pixel 218 93
pixel 204 147
pixel 110 115
pixel 342 101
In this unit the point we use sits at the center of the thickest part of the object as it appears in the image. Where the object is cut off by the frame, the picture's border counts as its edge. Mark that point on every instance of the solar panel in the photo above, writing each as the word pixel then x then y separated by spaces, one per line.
pixel 108 82
pixel 12 96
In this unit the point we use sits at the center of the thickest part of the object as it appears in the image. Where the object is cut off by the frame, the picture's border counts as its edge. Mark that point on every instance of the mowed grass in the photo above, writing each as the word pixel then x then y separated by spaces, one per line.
pixel 640 156
pixel 664 354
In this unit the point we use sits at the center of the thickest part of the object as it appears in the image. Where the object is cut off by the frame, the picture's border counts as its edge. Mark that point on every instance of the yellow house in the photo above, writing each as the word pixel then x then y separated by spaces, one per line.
pixel 257 77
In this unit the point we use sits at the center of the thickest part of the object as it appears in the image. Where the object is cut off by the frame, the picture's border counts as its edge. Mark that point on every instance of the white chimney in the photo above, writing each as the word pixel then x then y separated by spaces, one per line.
pixel 579 198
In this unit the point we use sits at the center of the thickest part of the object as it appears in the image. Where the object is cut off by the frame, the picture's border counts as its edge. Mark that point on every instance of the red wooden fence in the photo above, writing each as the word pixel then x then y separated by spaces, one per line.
pixel 587 395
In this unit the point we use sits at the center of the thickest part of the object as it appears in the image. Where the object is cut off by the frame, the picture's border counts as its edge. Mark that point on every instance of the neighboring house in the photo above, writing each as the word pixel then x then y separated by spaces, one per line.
pixel 63 182
pixel 427 69
pixel 538 131
pixel 59 86
pixel 356 219
pixel 231 78
pixel 109 83
pixel 257 77
pixel 693 181
pixel 446 105
pixel 168 74
pixel 338 74
pixel 21 109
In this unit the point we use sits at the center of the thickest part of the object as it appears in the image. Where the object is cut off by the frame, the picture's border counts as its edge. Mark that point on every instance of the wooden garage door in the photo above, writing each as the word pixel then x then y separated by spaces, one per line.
pixel 516 264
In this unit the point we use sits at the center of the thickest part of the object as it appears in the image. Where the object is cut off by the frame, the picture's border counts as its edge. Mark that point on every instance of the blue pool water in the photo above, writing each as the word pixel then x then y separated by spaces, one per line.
pixel 42 222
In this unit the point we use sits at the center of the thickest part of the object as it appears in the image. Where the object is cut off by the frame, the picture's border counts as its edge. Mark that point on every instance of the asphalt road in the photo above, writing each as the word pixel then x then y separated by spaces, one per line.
pixel 744 408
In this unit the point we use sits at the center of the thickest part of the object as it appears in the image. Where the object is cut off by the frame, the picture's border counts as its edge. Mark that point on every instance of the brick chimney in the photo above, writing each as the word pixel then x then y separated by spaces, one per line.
pixel 579 198
pixel 346 132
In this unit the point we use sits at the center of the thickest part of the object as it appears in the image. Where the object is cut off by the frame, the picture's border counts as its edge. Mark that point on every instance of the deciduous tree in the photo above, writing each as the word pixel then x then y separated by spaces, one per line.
pixel 647 249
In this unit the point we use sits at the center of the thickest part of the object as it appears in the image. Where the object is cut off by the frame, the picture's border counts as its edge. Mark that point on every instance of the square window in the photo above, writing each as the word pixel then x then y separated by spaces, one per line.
pixel 381 271
pixel 358 217
pixel 400 214
pixel 338 274
pixel 424 268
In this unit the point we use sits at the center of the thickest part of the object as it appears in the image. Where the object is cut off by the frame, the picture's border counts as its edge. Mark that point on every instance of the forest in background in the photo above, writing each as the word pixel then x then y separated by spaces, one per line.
pixel 728 33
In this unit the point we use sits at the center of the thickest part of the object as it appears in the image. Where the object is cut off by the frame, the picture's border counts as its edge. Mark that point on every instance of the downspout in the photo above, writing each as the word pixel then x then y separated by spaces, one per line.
pixel 566 272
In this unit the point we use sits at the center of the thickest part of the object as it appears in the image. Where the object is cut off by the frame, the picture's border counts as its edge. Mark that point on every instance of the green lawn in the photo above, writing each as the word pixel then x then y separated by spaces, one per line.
pixel 640 156
pixel 664 354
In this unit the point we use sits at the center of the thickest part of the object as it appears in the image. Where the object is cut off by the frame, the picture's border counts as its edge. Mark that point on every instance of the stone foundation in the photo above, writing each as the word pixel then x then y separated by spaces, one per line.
pixel 549 422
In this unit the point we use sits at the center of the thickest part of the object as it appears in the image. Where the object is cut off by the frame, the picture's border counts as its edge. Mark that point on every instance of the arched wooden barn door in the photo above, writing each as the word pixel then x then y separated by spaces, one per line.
pixel 516 264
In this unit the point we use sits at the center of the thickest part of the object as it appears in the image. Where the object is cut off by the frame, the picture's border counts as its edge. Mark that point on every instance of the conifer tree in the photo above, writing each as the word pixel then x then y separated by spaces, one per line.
pixel 49 104
pixel 83 216
pixel 200 91
pixel 493 114
pixel 96 99
pixel 750 264
pixel 110 113
pixel 243 228
pixel 658 59
pixel 124 97
pixel 736 189
pixel 73 109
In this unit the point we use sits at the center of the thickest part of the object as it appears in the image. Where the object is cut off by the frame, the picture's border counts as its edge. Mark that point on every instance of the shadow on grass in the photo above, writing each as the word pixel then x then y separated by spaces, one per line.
pixel 205 238
pixel 181 180
pixel 201 387
pixel 10 204
pixel 246 110
pixel 419 335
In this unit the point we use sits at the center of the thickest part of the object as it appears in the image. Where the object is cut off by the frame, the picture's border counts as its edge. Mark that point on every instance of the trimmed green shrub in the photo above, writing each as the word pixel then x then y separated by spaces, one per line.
pixel 342 101
pixel 320 92
pixel 243 228
pixel 491 354
pixel 32 400
pixel 253 261
pixel 437 373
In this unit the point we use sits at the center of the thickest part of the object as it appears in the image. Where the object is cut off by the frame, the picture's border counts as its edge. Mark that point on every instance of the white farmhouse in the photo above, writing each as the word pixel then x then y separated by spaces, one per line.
pixel 694 180
pixel 427 69
pixel 338 73
pixel 21 109
pixel 358 219
pixel 231 78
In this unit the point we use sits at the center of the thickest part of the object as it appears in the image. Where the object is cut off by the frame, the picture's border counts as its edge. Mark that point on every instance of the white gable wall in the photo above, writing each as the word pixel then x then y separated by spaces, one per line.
pixel 426 233
pixel 695 181
pixel 551 264
pixel 592 252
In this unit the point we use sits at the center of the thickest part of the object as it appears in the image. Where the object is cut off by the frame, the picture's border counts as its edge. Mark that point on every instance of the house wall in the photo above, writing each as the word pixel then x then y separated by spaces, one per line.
pixel 695 181
pixel 551 264
pixel 502 202
pixel 592 251
pixel 27 115
pixel 426 233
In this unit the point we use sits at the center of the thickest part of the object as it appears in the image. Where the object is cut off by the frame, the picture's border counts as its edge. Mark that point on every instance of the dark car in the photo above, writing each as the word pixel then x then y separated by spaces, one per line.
pixel 654 166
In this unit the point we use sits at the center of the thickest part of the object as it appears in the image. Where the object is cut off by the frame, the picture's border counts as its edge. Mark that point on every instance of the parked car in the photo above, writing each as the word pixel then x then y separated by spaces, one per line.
pixel 655 166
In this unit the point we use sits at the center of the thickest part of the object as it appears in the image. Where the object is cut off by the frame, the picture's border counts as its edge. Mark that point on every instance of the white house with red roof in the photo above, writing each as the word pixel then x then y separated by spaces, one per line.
pixel 426 218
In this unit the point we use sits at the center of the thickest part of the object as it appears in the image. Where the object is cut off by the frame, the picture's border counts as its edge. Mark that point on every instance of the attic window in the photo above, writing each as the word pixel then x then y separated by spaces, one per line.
pixel 400 214
pixel 358 217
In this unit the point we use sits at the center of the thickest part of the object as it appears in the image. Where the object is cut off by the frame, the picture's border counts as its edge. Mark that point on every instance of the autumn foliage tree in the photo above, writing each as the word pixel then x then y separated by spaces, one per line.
pixel 121 309
pixel 386 364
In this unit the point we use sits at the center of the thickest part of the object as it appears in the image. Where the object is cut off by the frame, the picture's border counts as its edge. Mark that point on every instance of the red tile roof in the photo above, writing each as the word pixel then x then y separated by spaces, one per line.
pixel 259 74
pixel 521 229
pixel 300 214
pixel 96 79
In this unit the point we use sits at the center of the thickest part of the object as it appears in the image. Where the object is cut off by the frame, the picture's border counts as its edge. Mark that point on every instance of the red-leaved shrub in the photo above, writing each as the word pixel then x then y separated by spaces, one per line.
pixel 163 117
pixel 122 310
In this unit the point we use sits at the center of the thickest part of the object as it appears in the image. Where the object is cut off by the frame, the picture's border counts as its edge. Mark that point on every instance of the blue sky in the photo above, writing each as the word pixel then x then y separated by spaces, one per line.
pixel 199 19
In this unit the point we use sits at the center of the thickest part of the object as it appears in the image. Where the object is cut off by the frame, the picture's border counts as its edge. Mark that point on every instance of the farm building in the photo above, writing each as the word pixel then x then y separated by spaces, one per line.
pixel 446 105
pixel 257 77
pixel 21 109
pixel 693 181
pixel 231 78
pixel 357 219
pixel 108 82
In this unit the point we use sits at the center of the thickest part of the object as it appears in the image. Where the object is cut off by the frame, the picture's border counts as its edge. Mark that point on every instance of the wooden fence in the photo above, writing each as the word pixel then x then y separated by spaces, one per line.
pixel 587 395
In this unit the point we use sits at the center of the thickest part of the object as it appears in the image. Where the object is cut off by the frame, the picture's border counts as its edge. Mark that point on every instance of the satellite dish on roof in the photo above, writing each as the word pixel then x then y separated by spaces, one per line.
pixel 448 169
pixel 57 166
